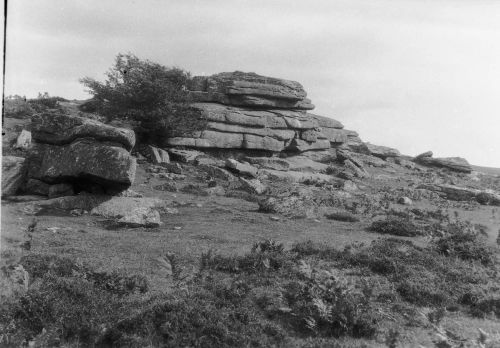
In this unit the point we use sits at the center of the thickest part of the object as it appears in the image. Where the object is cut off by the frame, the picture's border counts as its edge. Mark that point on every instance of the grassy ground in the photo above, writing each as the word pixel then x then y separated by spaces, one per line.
pixel 202 278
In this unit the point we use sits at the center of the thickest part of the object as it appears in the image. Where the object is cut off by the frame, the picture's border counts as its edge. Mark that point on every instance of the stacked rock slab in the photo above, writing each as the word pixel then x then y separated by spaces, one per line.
pixel 77 151
pixel 253 112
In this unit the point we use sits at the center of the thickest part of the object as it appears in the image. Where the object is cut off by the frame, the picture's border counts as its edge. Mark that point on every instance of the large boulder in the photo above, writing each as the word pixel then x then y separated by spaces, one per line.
pixel 87 154
pixel 84 160
pixel 249 89
pixel 13 174
pixel 63 129
pixel 131 212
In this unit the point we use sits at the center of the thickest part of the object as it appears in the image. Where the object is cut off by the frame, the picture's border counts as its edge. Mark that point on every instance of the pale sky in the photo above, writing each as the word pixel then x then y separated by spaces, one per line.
pixel 416 75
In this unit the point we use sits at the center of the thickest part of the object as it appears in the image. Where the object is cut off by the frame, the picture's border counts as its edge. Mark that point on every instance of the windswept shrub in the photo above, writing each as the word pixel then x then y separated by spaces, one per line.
pixel 151 94
pixel 396 227
pixel 466 245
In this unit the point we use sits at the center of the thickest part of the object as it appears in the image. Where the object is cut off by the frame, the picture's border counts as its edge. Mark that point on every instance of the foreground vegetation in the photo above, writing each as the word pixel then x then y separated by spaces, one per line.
pixel 269 297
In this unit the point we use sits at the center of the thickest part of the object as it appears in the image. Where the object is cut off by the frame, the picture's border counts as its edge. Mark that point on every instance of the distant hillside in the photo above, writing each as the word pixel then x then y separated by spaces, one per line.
pixel 487 170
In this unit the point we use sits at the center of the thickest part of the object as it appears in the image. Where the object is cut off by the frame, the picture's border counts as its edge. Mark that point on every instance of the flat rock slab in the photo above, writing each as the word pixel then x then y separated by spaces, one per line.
pixel 127 211
pixel 456 164
pixel 242 168
pixel 304 163
pixel 269 163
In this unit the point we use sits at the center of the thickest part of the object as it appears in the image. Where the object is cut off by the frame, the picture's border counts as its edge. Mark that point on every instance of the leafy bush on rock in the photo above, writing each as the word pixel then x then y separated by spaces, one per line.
pixel 151 94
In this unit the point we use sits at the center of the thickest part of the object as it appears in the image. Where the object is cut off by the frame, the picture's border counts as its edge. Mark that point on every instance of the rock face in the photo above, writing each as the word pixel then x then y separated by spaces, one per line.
pixel 13 174
pixel 80 152
pixel 252 112
pixel 273 130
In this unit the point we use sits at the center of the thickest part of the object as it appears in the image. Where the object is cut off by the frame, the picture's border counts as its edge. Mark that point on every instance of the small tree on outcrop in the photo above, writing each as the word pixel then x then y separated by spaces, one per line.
pixel 153 95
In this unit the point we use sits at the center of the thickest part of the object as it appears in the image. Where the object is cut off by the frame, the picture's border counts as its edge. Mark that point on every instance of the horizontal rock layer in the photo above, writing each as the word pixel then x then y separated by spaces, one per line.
pixel 249 89
pixel 274 130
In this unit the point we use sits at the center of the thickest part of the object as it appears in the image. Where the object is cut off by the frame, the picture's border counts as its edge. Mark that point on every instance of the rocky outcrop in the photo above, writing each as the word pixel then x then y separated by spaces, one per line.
pixel 13 175
pixel 456 164
pixel 80 152
pixel 252 112
pixel 273 130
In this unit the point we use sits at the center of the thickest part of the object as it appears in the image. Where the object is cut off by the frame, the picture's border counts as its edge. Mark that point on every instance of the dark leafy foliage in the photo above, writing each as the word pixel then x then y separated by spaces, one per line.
pixel 151 94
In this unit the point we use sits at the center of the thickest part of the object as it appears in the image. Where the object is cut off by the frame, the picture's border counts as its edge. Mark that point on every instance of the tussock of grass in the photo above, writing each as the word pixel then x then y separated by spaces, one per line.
pixel 396 227
pixel 342 216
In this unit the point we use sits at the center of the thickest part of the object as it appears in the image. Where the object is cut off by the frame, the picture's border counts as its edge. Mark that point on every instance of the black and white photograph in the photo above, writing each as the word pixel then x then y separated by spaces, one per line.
pixel 250 173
